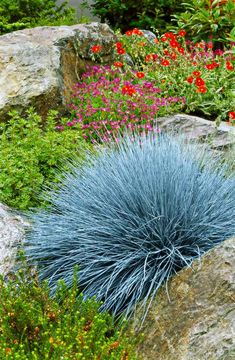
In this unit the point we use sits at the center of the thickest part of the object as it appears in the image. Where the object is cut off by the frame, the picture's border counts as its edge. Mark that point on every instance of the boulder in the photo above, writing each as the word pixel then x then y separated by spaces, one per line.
pixel 39 66
pixel 12 228
pixel 195 318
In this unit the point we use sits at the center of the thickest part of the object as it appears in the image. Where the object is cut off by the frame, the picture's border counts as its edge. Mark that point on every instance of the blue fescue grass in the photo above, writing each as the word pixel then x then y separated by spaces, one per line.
pixel 133 217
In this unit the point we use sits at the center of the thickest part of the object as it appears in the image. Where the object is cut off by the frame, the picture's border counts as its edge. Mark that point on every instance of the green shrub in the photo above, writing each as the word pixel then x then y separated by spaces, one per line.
pixel 127 14
pixel 35 326
pixel 20 14
pixel 30 154
pixel 200 18
pixel 204 19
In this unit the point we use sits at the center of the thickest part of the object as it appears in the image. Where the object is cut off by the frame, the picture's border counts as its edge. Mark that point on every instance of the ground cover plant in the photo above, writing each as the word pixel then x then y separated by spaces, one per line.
pixel 133 217
pixel 108 101
pixel 35 326
pixel 30 152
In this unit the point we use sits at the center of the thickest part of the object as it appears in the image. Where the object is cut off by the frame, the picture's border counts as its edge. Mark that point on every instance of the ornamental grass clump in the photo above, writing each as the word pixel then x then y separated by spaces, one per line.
pixel 132 218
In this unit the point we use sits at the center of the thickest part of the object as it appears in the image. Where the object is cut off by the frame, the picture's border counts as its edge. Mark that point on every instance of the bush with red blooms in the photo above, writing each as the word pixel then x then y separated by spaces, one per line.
pixel 204 76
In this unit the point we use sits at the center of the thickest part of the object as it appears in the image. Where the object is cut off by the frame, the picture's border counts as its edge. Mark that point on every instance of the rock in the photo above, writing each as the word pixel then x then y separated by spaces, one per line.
pixel 12 228
pixel 150 36
pixel 39 66
pixel 196 128
pixel 128 60
pixel 196 319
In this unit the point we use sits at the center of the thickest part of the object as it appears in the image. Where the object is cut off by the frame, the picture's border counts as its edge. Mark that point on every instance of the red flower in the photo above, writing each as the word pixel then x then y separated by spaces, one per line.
pixel 210 45
pixel 125 89
pixel 231 114
pixel 190 79
pixel 215 64
pixel 96 48
pixel 128 89
pixel 173 43
pixel 165 62
pixel 229 65
pixel 199 82
pixel 163 38
pixel 173 56
pixel 202 89
pixel 151 57
pixel 210 66
pixel 118 64
pixel 119 45
pixel 121 51
pixel 128 32
pixel 196 73
pixel 169 35
pixel 137 31
pixel 166 52
pixel 181 50
pixel 131 91
pixel 182 33
pixel 140 75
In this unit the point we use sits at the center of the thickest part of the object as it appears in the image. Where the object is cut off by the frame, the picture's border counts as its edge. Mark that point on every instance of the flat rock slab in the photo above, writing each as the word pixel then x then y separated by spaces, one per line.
pixel 39 66
pixel 12 228
pixel 197 128
pixel 196 320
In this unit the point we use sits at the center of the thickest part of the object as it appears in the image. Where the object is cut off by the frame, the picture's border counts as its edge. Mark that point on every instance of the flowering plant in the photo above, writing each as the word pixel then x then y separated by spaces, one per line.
pixel 109 100
pixel 200 73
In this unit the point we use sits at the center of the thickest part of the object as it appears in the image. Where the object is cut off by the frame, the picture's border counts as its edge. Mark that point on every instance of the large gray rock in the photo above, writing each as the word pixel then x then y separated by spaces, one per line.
pixel 196 319
pixel 12 227
pixel 39 66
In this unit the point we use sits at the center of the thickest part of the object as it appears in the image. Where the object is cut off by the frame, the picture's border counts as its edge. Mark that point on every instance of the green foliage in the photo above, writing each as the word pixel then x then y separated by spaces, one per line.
pixel 30 152
pixel 35 326
pixel 20 14
pixel 127 14
pixel 203 19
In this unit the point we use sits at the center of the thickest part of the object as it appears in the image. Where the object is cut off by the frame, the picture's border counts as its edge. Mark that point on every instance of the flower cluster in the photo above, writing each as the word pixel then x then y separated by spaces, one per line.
pixel 173 62
pixel 108 101
pixel 134 31
pixel 198 81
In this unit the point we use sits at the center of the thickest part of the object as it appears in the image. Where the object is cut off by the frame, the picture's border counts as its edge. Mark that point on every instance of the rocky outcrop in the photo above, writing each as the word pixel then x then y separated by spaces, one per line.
pixel 12 228
pixel 195 318
pixel 39 66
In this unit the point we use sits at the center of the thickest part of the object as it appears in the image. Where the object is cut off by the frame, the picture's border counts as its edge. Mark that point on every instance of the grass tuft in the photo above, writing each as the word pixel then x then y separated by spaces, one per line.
pixel 132 218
